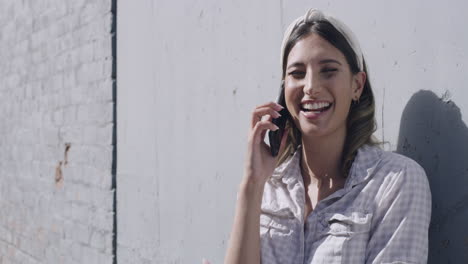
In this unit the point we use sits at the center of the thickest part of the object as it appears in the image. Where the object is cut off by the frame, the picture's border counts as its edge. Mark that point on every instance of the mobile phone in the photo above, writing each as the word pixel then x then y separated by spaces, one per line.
pixel 276 136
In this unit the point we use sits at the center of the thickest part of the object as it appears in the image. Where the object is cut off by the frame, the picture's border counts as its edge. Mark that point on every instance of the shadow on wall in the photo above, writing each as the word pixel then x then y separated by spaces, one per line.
pixel 433 134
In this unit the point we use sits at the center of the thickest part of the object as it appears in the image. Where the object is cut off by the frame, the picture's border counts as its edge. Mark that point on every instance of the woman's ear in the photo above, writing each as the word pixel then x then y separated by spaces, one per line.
pixel 359 79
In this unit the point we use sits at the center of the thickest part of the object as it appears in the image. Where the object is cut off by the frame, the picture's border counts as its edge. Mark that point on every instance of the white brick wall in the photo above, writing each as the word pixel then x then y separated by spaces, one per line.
pixel 56 88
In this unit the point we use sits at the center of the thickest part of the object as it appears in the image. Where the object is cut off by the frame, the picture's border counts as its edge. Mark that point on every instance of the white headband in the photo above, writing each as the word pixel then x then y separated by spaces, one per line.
pixel 315 15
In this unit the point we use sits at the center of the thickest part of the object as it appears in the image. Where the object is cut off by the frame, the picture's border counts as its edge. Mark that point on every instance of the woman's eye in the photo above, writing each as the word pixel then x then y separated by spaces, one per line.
pixel 297 74
pixel 328 72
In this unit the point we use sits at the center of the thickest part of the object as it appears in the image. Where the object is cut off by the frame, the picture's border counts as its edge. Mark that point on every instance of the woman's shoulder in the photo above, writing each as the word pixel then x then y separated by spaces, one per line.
pixel 397 162
pixel 391 169
pixel 375 155
pixel 372 162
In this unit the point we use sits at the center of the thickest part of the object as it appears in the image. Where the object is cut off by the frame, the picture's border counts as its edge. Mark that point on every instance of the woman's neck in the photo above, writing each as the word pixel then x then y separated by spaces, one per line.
pixel 321 158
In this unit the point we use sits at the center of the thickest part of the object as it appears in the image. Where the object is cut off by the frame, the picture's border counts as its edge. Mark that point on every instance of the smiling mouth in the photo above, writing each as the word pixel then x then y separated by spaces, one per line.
pixel 315 107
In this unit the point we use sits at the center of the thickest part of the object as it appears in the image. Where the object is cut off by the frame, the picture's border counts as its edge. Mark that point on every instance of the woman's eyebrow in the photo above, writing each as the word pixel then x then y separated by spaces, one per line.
pixel 329 61
pixel 324 61
pixel 295 64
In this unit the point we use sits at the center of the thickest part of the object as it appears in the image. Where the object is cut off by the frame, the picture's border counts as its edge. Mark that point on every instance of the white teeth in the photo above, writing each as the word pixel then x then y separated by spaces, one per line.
pixel 315 106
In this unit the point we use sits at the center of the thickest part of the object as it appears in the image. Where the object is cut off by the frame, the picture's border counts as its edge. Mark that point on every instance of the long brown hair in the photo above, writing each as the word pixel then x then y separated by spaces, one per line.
pixel 361 118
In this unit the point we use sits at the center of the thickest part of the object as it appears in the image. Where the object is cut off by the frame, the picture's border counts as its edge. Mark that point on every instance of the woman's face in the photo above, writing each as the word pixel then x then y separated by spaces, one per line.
pixel 319 87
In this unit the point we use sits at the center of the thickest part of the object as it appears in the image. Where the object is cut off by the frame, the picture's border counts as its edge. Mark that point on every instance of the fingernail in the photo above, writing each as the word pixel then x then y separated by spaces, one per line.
pixel 275 127
pixel 277 114
pixel 278 106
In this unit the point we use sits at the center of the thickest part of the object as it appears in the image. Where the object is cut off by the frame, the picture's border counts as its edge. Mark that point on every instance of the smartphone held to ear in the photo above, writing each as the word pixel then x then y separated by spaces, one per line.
pixel 276 136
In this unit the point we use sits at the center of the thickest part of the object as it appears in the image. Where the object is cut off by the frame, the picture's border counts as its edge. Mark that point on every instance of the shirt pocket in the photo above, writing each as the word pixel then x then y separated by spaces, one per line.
pixel 279 240
pixel 273 225
pixel 345 236
pixel 348 225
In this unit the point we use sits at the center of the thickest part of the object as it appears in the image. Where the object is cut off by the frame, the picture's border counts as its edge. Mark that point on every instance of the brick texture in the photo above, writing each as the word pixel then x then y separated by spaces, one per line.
pixel 56 116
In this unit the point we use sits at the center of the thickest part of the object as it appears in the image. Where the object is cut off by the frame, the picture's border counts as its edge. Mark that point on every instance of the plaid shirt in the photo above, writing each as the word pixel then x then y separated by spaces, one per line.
pixel 381 215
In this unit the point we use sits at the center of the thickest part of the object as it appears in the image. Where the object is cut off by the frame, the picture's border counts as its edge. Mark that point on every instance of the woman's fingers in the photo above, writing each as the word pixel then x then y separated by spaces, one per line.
pixel 260 127
pixel 261 121
pixel 271 109
pixel 259 113
pixel 268 118
pixel 271 104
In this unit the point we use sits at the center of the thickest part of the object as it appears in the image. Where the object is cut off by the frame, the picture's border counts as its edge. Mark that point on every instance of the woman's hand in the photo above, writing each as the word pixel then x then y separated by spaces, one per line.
pixel 259 163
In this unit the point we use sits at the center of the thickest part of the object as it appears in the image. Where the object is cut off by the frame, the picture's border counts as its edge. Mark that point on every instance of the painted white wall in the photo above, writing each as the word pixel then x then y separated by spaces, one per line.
pixel 191 72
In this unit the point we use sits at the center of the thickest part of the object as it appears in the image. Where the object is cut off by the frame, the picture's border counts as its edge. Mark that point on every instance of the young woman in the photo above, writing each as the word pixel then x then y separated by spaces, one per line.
pixel 332 195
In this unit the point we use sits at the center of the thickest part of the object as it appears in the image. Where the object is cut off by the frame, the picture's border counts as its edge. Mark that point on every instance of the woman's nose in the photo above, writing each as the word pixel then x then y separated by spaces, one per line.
pixel 311 87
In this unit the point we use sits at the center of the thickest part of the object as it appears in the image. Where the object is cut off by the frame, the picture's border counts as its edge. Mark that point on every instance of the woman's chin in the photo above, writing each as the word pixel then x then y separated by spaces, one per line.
pixel 312 130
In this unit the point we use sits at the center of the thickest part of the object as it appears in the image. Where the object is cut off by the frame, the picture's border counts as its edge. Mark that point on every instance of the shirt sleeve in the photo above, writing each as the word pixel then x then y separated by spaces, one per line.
pixel 399 233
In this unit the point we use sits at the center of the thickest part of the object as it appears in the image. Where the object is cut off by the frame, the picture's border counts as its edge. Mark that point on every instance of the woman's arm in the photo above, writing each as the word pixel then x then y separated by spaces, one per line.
pixel 403 217
pixel 244 244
